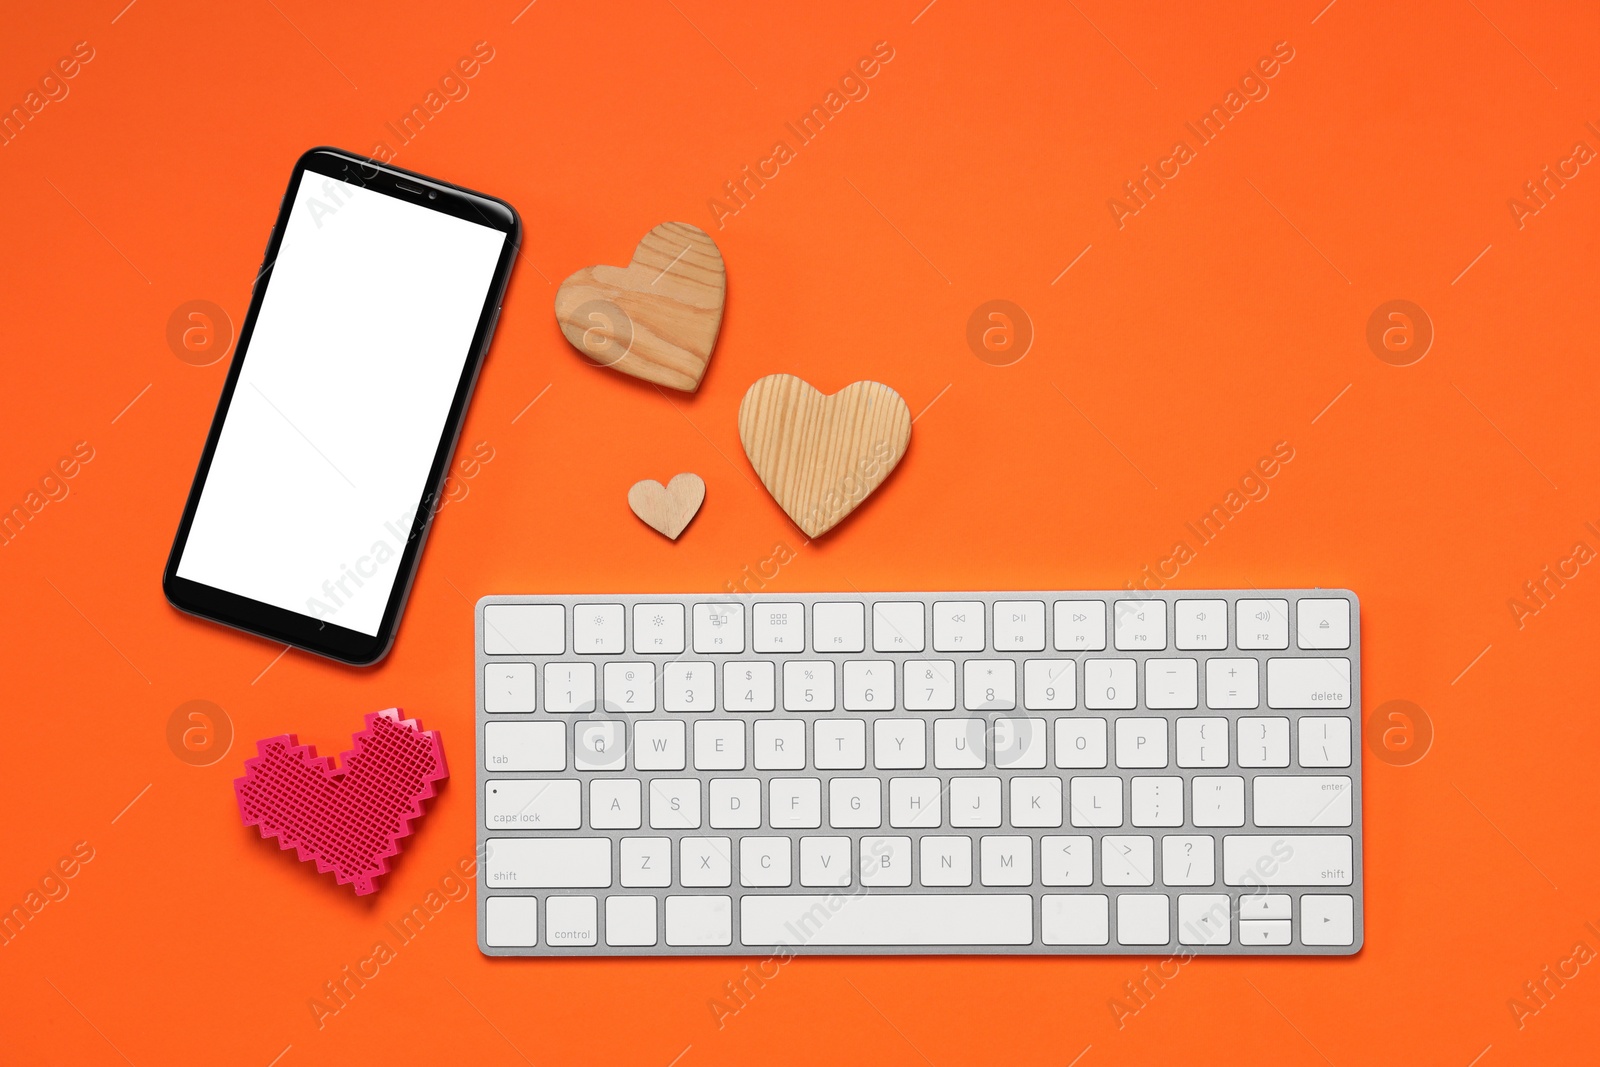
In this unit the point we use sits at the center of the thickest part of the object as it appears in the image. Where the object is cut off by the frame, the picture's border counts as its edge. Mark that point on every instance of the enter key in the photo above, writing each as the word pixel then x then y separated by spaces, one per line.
pixel 1302 800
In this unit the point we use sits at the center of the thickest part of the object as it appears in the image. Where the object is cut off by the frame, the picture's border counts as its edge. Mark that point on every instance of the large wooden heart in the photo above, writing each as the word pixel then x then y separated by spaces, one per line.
pixel 821 456
pixel 658 317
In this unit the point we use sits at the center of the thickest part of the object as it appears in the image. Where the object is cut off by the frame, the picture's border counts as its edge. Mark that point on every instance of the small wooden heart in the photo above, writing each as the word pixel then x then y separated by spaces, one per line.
pixel 821 456
pixel 658 317
pixel 667 509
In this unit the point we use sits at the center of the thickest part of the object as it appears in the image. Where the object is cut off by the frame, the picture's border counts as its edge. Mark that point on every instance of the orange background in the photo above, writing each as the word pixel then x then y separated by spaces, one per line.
pixel 1224 317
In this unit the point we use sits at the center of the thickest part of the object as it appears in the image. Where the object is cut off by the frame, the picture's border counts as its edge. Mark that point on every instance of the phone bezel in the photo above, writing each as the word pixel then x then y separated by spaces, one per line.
pixel 279 624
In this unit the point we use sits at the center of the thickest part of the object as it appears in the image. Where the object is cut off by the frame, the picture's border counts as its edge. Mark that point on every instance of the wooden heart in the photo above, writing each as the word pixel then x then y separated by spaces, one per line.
pixel 821 456
pixel 667 509
pixel 658 317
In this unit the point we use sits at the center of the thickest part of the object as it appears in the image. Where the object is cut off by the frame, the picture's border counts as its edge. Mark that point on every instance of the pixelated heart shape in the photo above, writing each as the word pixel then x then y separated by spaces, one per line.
pixel 821 456
pixel 350 820
pixel 658 317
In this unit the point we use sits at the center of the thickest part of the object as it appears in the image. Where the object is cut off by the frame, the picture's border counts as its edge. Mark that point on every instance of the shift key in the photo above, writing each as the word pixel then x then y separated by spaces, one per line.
pixel 1287 859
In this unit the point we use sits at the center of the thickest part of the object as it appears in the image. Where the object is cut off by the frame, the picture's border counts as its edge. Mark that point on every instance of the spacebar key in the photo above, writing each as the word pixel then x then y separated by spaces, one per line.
pixel 880 919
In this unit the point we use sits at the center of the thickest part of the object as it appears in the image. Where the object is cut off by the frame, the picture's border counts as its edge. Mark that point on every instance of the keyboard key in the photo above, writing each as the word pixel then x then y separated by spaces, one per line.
pixel 658 745
pixel 749 686
pixel 1327 920
pixel 511 922
pixel 1324 741
pixel 1171 683
pixel 1066 860
pixel 525 746
pixel 571 921
pixel 1050 684
pixel 930 685
pixel 885 862
pixel 630 687
pixel 688 686
pixel 719 745
pixel 524 630
pixel 1080 625
pixel 839 627
pixel 1095 801
pixel 630 921
pixel 508 688
pixel 1262 624
pixel 808 685
pixel 1204 919
pixel 599 745
pixel 569 688
pixel 764 862
pixel 1322 624
pixel 1233 684
pixel 869 685
pixel 646 862
pixel 960 744
pixel 735 804
pixel 1019 744
pixel 824 861
pixel 1217 801
pixel 1110 684
pixel 946 861
pixel 1141 742
pixel 718 628
pixel 839 745
pixel 1203 742
pixel 768 919
pixel 527 804
pixel 1127 860
pixel 958 626
pixel 974 802
pixel 794 803
pixel 1188 860
pixel 1301 800
pixel 675 804
pixel 614 803
pixel 1263 742
pixel 1200 624
pixel 1264 906
pixel 1141 625
pixel 855 803
pixel 705 862
pixel 1158 801
pixel 915 802
pixel 597 629
pixel 1019 626
pixel 1261 932
pixel 658 629
pixel 1035 802
pixel 1286 860
pixel 1006 861
pixel 1308 683
pixel 1074 919
pixel 548 863
pixel 899 744
pixel 780 627
pixel 1143 919
pixel 780 745
pixel 695 921
pixel 989 685
pixel 897 626
pixel 1080 743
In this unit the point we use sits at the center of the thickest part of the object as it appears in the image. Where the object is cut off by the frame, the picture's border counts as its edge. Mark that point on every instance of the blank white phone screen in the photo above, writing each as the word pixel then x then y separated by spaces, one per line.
pixel 344 392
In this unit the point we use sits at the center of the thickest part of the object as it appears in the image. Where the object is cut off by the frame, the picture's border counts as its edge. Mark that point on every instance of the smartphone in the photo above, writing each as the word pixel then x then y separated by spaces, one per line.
pixel 323 468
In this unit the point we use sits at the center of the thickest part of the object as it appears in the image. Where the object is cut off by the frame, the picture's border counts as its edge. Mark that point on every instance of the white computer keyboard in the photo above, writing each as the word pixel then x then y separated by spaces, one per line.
pixel 1029 772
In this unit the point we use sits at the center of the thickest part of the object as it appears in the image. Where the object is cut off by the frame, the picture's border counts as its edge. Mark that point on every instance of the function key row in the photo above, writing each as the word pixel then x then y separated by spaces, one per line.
pixel 1320 623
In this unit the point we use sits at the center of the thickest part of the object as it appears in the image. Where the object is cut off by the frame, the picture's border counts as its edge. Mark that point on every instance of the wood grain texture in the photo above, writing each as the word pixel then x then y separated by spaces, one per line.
pixel 821 456
pixel 658 317
pixel 668 509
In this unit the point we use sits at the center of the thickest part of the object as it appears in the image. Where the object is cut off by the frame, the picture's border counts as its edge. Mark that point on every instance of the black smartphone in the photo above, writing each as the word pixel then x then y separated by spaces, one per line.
pixel 322 471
